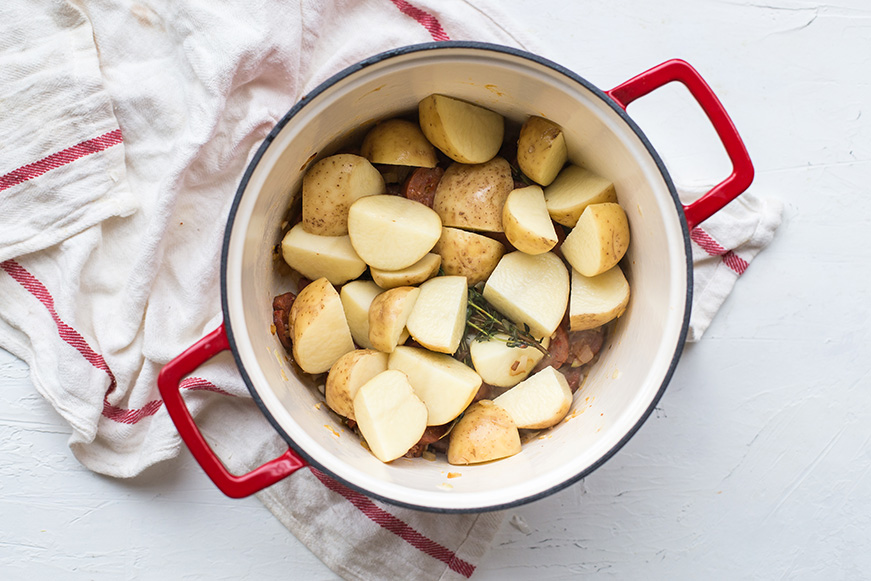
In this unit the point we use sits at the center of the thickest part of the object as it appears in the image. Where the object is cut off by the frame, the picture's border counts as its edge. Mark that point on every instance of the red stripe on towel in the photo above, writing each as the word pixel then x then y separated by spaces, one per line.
pixel 423 18
pixel 61 158
pixel 75 339
pixel 398 527
pixel 714 248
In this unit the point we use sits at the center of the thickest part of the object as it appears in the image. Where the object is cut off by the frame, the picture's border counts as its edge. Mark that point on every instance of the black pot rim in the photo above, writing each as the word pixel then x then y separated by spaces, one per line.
pixel 450 45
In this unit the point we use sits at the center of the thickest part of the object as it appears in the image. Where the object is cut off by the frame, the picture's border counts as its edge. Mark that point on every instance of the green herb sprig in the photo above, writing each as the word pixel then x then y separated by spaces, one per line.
pixel 485 323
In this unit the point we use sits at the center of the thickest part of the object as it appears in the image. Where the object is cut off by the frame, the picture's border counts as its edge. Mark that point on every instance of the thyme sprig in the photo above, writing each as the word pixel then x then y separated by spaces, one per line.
pixel 485 323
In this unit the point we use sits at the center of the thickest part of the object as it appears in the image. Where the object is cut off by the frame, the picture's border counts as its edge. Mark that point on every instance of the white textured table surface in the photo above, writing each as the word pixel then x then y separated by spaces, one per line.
pixel 757 463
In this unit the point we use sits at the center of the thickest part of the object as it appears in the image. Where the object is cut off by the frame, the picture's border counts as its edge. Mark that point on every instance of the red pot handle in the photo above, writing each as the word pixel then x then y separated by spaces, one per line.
pixel 169 384
pixel 742 168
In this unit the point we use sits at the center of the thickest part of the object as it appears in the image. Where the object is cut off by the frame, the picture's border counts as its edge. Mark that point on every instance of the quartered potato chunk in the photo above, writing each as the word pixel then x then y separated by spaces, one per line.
pixel 389 415
pixel 318 327
pixel 398 142
pixel 573 190
pixel 541 150
pixel 485 432
pixel 443 383
pixel 597 300
pixel 517 287
pixel 465 132
pixel 527 224
pixel 599 239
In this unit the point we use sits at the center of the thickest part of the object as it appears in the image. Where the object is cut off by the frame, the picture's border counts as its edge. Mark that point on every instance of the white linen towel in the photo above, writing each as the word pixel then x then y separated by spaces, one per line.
pixel 124 130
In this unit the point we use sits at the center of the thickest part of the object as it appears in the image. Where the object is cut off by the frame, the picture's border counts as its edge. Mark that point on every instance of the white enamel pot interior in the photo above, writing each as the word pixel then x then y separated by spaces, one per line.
pixel 634 367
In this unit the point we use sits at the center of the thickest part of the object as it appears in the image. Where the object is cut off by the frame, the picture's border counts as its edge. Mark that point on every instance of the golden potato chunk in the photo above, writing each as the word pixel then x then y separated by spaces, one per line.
pixel 599 239
pixel 329 188
pixel 398 142
pixel 541 150
pixel 464 132
pixel 485 432
pixel 472 196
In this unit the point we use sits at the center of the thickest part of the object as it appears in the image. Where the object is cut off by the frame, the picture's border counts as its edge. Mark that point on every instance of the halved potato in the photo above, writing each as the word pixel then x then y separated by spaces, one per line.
pixel 438 319
pixel 388 314
pixel 329 188
pixel 357 297
pixel 468 254
pixel 531 290
pixel 398 142
pixel 318 327
pixel 391 418
pixel 573 190
pixel 464 132
pixel 392 232
pixel 422 270
pixel 599 239
pixel 472 196
pixel 347 374
pixel 314 256
pixel 527 224
pixel 541 150
pixel 538 402
pixel 501 365
pixel 485 432
pixel 446 385
pixel 597 300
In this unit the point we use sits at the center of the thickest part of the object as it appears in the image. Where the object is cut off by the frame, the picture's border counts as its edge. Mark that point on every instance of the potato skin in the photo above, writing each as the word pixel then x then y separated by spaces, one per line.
pixel 527 224
pixel 472 196
pixel 329 188
pixel 468 254
pixel 398 142
pixel 541 150
pixel 387 316
pixel 422 270
pixel 348 373
pixel 318 308
pixel 485 432
pixel 599 239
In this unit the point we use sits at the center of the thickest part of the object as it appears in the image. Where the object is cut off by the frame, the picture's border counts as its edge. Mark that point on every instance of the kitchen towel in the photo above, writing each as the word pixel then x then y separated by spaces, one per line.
pixel 124 129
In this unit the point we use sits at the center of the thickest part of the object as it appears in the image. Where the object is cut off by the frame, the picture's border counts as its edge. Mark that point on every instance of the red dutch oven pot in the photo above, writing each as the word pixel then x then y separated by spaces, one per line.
pixel 633 369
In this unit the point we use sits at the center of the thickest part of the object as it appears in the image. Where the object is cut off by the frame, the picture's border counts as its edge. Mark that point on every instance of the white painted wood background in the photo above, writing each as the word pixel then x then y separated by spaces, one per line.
pixel 757 463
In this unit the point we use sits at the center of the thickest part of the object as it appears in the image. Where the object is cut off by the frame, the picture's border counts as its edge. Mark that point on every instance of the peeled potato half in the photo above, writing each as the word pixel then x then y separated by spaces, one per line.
pixel 389 415
pixel 438 319
pixel 597 300
pixel 464 132
pixel 391 232
pixel 314 256
pixel 446 385
pixel 357 297
pixel 599 239
pixel 573 190
pixel 531 290
pixel 539 401
pixel 527 224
